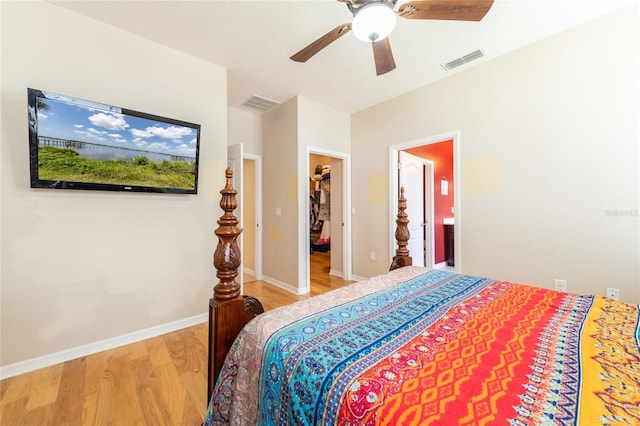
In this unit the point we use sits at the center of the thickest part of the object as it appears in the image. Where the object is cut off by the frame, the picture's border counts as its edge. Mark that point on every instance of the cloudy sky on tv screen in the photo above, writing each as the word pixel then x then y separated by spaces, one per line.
pixel 102 127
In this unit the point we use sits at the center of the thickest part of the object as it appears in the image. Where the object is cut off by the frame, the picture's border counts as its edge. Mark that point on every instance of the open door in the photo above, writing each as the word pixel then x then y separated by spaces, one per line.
pixel 416 176
pixel 412 179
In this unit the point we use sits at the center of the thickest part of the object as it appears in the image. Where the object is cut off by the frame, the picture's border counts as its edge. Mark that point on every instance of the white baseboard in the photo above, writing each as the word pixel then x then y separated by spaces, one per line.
pixel 22 367
pixel 285 286
pixel 249 272
pixel 336 273
pixel 358 278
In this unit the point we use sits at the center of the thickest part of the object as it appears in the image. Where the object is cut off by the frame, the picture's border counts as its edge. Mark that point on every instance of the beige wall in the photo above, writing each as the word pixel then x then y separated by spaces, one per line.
pixel 290 129
pixel 548 145
pixel 329 131
pixel 281 191
pixel 83 266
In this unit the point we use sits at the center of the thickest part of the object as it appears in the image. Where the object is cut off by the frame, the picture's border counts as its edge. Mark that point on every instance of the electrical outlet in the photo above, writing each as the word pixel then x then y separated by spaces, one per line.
pixel 613 293
pixel 560 285
pixel 372 255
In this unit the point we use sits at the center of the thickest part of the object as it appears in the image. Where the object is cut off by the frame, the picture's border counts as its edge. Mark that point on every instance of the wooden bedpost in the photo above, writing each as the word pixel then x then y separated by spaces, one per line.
pixel 402 257
pixel 228 311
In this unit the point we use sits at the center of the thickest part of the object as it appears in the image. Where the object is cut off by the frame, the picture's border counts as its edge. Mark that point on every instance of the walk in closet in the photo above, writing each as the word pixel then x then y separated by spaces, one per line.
pixel 320 208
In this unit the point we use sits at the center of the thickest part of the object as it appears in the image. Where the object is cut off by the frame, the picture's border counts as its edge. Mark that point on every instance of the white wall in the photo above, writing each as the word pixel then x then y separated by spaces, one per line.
pixel 79 267
pixel 245 127
pixel 549 145
pixel 323 127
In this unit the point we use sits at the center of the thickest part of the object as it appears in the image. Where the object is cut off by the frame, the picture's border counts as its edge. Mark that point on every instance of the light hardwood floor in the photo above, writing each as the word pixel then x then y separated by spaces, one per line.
pixel 159 381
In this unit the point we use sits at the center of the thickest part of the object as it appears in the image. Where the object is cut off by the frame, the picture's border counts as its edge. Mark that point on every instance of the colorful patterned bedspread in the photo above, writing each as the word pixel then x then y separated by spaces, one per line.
pixel 434 348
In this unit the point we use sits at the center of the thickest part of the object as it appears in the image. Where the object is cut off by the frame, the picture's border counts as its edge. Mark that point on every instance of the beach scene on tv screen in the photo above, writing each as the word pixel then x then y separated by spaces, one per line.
pixel 82 143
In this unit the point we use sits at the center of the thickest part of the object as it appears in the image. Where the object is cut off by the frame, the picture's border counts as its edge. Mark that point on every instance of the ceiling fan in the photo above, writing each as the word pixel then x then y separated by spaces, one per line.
pixel 373 21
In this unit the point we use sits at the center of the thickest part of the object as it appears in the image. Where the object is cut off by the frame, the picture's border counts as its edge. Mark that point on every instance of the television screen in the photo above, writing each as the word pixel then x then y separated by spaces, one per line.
pixel 79 144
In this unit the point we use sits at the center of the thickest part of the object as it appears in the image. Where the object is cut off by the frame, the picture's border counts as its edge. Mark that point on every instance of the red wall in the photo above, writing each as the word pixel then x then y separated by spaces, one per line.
pixel 441 154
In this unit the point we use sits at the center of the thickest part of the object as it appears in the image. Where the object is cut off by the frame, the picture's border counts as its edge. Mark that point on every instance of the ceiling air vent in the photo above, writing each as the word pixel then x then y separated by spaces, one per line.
pixel 463 60
pixel 258 102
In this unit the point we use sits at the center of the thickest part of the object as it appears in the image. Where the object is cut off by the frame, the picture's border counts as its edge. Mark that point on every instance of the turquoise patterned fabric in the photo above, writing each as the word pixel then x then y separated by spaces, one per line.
pixel 305 363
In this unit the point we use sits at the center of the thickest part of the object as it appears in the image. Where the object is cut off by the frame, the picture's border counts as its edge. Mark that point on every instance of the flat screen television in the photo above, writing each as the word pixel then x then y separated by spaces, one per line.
pixel 80 144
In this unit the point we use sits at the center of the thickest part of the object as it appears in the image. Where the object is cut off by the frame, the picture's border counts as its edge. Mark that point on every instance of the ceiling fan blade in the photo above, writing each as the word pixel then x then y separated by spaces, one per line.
pixel 383 56
pixel 450 10
pixel 306 53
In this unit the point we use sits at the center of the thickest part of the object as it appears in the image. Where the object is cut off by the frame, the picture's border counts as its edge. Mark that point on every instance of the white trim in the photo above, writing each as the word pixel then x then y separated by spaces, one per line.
pixel 288 287
pixel 430 215
pixel 248 272
pixel 335 273
pixel 358 278
pixel 393 188
pixel 32 364
pixel 457 204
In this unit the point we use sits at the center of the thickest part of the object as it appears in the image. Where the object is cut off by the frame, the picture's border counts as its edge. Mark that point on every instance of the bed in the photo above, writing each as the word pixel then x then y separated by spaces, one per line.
pixel 419 346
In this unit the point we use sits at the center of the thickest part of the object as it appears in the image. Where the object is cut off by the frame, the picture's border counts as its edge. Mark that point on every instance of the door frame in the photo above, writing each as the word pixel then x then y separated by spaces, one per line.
pixel 346 216
pixel 429 200
pixel 393 189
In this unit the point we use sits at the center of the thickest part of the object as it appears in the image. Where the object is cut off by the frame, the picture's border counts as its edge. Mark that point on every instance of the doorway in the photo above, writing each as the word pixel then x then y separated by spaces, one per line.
pixel 251 218
pixel 416 177
pixel 433 173
pixel 328 222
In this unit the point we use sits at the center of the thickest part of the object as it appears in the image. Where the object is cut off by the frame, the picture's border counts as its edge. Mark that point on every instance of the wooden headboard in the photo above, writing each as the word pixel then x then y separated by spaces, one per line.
pixel 228 310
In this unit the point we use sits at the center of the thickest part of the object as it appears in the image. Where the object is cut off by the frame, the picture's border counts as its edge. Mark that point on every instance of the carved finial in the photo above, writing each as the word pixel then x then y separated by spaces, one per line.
pixel 226 258
pixel 402 257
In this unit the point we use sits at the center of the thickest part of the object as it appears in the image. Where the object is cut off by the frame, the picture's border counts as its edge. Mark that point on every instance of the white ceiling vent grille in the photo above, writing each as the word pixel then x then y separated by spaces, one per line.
pixel 463 60
pixel 258 102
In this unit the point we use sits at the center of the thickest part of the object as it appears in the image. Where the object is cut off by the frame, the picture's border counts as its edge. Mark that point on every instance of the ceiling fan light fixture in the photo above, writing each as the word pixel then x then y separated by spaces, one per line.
pixel 374 21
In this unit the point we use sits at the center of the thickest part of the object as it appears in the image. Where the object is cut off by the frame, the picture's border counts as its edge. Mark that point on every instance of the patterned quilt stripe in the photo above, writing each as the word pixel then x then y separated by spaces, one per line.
pixel 611 348
pixel 326 344
pixel 551 391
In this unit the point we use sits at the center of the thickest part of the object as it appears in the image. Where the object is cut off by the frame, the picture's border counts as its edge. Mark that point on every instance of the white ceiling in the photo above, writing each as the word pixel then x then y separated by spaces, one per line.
pixel 253 40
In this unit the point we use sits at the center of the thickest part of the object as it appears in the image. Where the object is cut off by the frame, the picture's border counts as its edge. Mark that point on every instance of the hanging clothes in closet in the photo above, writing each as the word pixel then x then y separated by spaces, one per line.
pixel 322 209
